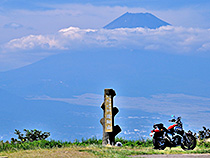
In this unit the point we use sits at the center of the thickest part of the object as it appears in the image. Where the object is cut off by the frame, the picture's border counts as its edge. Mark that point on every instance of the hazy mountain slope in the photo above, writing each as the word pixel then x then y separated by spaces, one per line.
pixel 134 73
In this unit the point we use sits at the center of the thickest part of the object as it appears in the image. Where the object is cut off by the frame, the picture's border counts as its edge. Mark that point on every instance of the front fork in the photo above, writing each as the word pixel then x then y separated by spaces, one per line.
pixel 185 137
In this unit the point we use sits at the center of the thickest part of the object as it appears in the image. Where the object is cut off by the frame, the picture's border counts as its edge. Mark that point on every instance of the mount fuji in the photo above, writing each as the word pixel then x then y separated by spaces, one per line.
pixel 133 20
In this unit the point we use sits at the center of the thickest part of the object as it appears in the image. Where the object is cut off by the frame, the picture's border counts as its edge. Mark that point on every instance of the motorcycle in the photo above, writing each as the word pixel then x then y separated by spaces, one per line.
pixel 173 136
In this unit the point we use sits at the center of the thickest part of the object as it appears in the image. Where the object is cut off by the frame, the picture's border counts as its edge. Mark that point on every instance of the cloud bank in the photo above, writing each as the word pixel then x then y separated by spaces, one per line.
pixel 193 108
pixel 166 39
pixel 161 103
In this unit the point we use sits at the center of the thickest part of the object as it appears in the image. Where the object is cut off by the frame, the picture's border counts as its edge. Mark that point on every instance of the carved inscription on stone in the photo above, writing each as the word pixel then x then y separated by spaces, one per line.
pixel 108 114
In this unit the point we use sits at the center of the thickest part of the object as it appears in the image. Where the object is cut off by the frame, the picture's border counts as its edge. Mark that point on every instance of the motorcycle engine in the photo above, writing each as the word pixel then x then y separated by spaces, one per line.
pixel 177 139
pixel 179 130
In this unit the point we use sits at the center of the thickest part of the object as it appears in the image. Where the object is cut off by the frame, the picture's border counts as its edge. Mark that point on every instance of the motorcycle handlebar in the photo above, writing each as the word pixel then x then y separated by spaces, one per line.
pixel 172 120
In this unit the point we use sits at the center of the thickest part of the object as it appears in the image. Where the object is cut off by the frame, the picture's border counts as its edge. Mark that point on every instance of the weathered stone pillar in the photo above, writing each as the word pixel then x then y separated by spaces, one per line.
pixel 109 130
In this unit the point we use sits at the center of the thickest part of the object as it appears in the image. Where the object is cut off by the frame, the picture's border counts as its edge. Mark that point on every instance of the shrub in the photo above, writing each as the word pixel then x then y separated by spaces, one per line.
pixel 30 135
pixel 204 134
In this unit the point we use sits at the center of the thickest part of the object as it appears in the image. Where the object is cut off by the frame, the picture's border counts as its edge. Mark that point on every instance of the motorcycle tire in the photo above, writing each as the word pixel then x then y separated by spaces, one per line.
pixel 191 145
pixel 159 143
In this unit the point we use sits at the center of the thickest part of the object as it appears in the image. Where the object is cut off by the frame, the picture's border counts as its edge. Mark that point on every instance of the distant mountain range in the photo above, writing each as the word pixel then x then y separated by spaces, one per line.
pixel 133 20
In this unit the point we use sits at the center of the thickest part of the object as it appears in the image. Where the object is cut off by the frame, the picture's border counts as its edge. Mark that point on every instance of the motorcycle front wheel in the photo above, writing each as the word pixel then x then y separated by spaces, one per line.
pixel 189 145
pixel 159 143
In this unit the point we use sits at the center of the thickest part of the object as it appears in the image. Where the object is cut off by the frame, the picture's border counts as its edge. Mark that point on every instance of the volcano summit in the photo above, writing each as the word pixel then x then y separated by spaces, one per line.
pixel 133 20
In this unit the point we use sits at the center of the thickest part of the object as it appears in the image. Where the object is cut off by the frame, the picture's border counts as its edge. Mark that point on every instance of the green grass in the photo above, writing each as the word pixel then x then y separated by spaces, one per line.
pixel 93 146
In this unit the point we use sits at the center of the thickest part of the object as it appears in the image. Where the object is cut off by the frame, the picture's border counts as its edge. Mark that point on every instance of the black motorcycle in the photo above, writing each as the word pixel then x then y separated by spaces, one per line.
pixel 173 136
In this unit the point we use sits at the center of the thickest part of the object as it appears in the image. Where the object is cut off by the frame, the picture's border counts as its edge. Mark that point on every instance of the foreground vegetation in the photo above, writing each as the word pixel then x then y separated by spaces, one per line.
pixel 49 144
pixel 89 148
pixel 33 143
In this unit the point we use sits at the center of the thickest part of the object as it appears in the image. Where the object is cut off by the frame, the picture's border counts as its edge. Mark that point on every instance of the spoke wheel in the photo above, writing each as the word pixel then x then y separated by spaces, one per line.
pixel 159 144
pixel 189 145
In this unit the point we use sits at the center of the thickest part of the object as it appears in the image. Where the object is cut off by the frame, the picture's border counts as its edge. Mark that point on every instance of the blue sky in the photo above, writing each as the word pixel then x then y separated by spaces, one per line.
pixel 163 4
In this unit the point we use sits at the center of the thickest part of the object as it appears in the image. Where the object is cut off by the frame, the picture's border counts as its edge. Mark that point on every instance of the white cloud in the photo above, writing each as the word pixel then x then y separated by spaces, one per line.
pixel 205 47
pixel 162 103
pixel 34 42
pixel 165 39
pixel 193 108
pixel 128 132
pixel 13 25
pixel 133 117
pixel 85 99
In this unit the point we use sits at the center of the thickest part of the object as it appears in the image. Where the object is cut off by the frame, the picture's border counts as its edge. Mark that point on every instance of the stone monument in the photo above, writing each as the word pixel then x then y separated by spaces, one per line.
pixel 109 112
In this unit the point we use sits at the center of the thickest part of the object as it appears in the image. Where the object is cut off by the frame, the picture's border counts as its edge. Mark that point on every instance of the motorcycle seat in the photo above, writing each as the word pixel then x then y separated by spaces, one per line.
pixel 158 125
